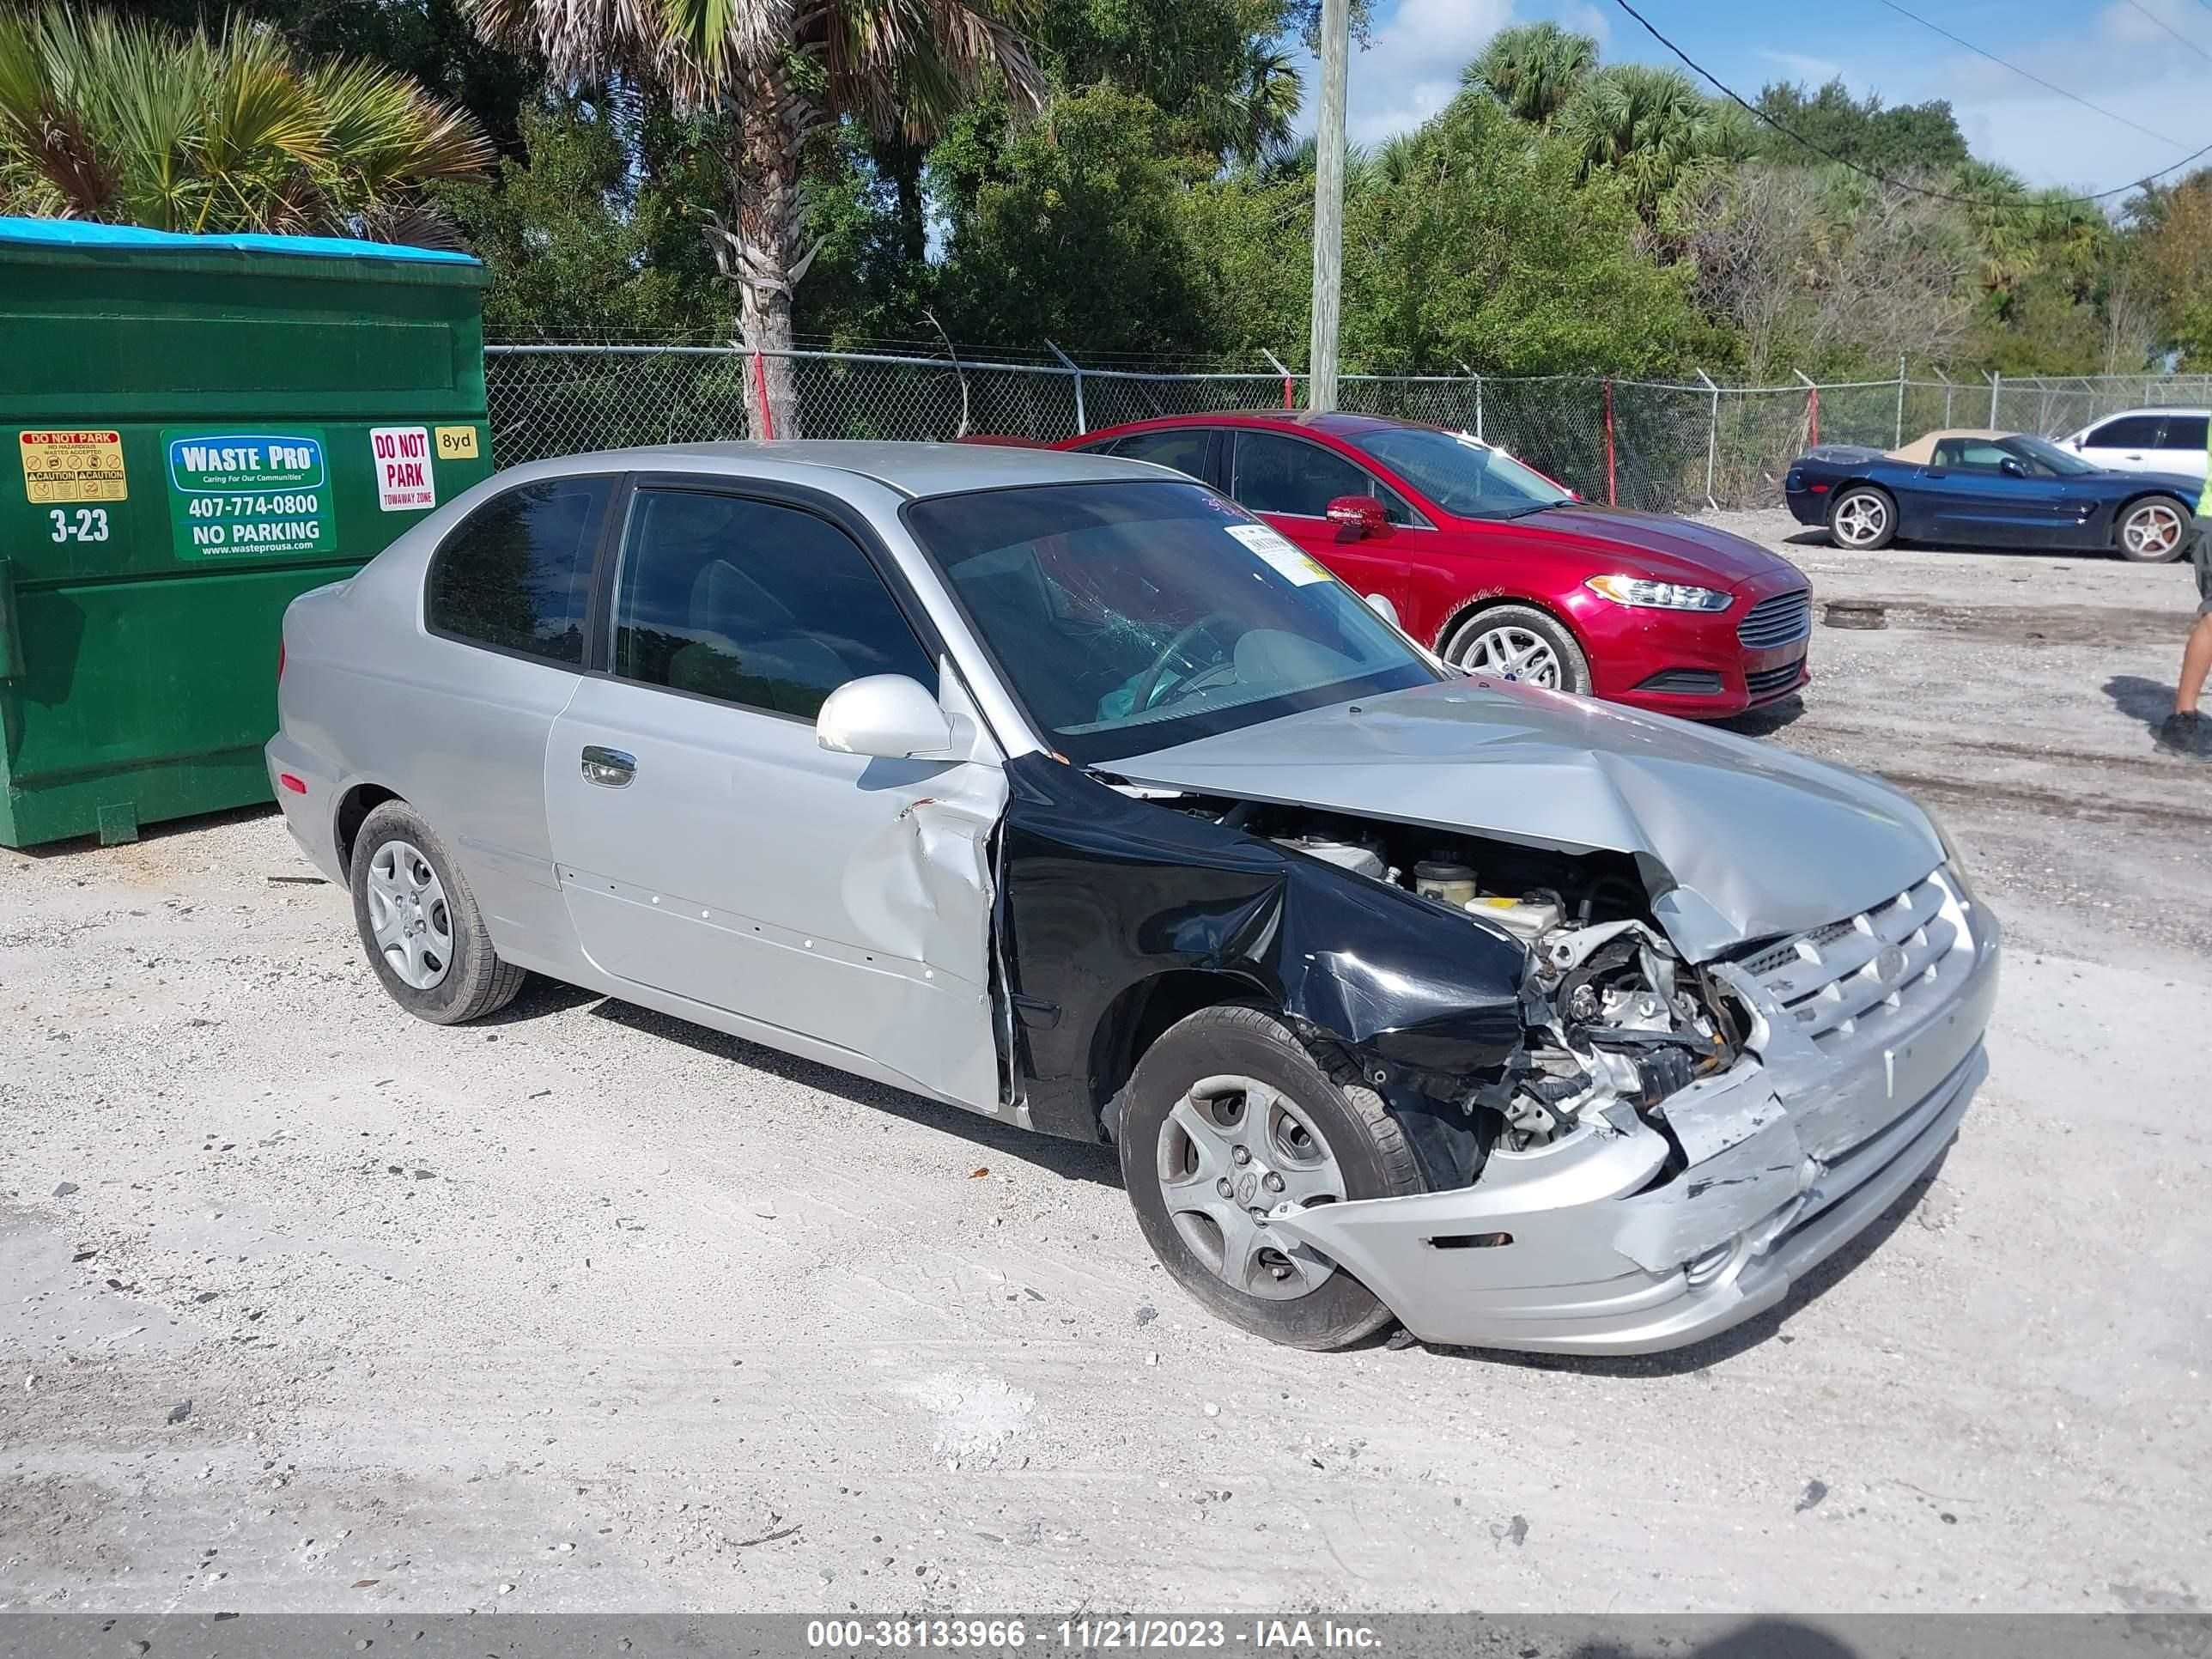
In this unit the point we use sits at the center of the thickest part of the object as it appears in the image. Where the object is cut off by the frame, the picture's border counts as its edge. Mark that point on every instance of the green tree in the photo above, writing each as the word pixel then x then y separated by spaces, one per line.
pixel 1646 126
pixel 1479 248
pixel 780 80
pixel 593 236
pixel 1907 138
pixel 1533 70
pixel 429 41
pixel 1078 231
pixel 128 122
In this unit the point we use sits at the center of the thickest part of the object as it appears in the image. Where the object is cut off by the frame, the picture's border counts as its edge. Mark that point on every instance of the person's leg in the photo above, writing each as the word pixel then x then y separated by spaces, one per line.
pixel 2185 728
pixel 2195 664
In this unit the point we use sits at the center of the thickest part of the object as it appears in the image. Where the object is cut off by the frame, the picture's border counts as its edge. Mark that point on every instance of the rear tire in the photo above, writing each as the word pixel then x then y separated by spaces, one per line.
pixel 1228 1097
pixel 2153 531
pixel 1488 641
pixel 419 922
pixel 1863 519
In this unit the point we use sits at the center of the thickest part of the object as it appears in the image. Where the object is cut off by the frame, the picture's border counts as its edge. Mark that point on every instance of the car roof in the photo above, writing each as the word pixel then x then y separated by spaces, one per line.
pixel 914 470
pixel 2149 409
pixel 1336 422
pixel 1922 448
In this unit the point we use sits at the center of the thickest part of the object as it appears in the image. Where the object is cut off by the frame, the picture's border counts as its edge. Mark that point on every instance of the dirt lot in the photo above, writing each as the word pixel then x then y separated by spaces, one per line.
pixel 305 1305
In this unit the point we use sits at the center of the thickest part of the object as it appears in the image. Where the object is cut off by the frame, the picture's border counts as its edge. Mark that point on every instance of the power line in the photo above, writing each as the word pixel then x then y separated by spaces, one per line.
pixel 2029 74
pixel 1791 133
pixel 2170 29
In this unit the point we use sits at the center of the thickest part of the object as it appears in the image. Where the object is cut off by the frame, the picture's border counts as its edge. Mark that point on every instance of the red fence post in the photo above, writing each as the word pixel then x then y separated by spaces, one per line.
pixel 1612 497
pixel 760 394
pixel 1290 392
pixel 1813 418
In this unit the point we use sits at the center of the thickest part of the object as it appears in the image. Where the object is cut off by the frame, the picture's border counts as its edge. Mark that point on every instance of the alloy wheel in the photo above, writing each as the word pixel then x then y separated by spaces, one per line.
pixel 1861 519
pixel 2151 531
pixel 1508 653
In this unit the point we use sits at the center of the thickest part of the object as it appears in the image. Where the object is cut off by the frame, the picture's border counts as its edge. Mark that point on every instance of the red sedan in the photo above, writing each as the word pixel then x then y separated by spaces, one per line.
pixel 1497 569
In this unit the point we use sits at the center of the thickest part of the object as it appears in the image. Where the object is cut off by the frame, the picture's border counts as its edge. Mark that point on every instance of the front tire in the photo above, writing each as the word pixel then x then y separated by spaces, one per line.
pixel 1863 519
pixel 1228 1115
pixel 2153 531
pixel 1521 643
pixel 419 922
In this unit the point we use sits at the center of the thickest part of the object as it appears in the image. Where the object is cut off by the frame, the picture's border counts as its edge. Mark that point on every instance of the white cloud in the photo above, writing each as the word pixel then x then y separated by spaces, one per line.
pixel 1410 67
pixel 2122 61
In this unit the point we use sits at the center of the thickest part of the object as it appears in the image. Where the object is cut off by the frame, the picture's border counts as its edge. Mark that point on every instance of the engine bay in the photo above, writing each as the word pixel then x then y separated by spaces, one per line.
pixel 1616 1020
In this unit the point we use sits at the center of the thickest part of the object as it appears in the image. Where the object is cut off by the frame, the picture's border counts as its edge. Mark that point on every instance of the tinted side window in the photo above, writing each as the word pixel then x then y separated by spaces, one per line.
pixel 753 603
pixel 517 573
pixel 1288 475
pixel 2183 432
pixel 1183 449
pixel 2129 432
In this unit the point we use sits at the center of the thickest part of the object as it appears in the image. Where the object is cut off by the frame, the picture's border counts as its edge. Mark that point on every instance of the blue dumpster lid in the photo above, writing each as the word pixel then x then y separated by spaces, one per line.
pixel 78 232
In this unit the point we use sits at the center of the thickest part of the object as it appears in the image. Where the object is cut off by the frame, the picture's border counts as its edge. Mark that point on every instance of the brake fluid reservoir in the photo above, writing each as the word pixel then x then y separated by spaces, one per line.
pixel 1527 920
pixel 1438 878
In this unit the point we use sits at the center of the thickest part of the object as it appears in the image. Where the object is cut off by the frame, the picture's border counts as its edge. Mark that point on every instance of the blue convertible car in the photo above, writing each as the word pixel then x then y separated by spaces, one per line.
pixel 1989 489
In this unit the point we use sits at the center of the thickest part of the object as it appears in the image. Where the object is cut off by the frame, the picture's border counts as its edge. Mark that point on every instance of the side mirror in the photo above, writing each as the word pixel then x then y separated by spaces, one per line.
pixel 887 716
pixel 1355 516
pixel 2011 468
pixel 1381 605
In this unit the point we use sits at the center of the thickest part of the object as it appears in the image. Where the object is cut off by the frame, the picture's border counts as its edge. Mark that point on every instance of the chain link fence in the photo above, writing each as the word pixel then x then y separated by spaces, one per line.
pixel 1663 446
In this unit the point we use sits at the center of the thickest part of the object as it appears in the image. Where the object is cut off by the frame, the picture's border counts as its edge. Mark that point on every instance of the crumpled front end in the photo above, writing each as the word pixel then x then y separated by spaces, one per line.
pixel 1641 1226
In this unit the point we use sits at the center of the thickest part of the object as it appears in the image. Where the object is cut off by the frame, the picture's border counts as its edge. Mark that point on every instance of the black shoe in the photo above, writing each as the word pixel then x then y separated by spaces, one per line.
pixel 2184 734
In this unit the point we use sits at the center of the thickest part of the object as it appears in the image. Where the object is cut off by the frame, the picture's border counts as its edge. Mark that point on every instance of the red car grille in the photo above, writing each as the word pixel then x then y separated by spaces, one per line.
pixel 1782 620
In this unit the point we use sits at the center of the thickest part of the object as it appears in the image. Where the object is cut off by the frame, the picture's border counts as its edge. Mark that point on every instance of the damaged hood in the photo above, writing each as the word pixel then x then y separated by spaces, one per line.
pixel 1757 841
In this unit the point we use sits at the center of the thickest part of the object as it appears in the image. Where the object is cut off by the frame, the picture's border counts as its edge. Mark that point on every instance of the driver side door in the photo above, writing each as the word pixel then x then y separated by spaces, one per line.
pixel 1973 498
pixel 709 848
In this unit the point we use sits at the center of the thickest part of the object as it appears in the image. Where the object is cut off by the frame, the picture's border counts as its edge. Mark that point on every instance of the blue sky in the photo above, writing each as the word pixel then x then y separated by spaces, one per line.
pixel 2106 50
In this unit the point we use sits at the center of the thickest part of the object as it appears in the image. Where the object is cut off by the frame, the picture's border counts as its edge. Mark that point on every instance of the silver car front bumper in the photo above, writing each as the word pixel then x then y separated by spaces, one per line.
pixel 1580 1247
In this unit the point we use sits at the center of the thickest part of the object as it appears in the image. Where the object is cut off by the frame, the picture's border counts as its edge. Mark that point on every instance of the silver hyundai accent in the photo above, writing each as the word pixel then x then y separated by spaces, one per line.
pixel 1058 788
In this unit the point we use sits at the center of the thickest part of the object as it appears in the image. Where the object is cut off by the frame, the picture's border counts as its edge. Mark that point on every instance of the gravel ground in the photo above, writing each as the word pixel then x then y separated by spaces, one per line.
pixel 305 1305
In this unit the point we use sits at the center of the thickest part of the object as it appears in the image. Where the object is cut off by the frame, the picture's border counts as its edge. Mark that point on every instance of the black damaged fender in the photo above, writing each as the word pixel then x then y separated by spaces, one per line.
pixel 1100 893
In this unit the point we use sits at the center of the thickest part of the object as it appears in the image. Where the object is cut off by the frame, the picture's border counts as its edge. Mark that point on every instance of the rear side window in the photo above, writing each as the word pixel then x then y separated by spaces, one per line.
pixel 1183 448
pixel 2183 432
pixel 517 574
pixel 753 602
pixel 2129 432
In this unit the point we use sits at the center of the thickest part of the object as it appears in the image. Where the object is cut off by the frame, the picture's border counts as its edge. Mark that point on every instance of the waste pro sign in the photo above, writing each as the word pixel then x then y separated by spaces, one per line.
pixel 248 495
pixel 405 480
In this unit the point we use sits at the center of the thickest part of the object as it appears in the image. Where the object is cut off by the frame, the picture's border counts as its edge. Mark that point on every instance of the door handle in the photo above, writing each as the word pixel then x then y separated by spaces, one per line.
pixel 610 768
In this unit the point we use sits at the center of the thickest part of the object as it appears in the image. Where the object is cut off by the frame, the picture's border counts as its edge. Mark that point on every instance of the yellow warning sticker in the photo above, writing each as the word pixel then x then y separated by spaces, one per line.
pixel 456 443
pixel 73 466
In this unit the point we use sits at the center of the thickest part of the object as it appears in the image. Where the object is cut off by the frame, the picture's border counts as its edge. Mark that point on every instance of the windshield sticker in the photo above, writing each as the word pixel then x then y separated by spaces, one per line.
pixel 1286 559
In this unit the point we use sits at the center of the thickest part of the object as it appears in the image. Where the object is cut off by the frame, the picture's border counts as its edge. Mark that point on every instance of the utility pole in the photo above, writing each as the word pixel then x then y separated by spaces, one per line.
pixel 1329 204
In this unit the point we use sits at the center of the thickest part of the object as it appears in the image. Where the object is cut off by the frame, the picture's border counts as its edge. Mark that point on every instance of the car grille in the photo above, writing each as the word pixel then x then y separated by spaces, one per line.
pixel 1846 982
pixel 1782 620
pixel 1767 682
pixel 1686 682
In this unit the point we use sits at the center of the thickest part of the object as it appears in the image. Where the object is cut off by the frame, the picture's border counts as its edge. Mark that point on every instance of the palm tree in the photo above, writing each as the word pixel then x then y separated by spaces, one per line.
pixel 779 72
pixel 1648 125
pixel 127 122
pixel 1533 70
pixel 1256 113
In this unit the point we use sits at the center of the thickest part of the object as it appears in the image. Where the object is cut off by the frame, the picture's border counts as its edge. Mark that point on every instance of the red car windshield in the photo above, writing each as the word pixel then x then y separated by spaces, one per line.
pixel 1464 476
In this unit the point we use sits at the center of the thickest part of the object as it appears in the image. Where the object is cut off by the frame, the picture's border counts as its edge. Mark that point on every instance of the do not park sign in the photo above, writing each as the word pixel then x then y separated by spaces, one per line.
pixel 404 482
pixel 253 493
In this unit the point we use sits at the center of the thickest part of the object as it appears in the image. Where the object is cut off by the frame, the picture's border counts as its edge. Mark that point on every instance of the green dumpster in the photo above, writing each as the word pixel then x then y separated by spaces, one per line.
pixel 199 429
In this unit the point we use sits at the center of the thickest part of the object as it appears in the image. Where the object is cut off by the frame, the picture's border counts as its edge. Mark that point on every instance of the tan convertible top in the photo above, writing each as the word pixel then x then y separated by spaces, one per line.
pixel 1922 449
